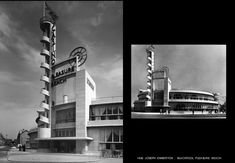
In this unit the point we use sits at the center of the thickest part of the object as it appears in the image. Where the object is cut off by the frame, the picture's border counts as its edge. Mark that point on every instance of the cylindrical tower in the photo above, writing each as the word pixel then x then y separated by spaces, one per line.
pixel 47 25
pixel 150 69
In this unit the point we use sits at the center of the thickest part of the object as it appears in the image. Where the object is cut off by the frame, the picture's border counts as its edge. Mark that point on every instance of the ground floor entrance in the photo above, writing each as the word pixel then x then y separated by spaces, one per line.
pixel 63 146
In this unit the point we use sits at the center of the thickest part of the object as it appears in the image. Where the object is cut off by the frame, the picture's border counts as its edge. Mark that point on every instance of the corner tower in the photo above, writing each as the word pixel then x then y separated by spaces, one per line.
pixel 150 69
pixel 48 27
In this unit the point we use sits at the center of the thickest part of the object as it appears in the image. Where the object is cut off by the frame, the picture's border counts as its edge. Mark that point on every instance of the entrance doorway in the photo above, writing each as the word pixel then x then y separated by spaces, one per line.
pixel 64 146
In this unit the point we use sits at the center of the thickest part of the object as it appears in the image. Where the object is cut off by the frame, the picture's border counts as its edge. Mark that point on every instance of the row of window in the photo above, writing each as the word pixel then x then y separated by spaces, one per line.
pixel 106 117
pixel 111 135
pixel 108 112
pixel 69 132
pixel 111 146
pixel 192 106
pixel 193 97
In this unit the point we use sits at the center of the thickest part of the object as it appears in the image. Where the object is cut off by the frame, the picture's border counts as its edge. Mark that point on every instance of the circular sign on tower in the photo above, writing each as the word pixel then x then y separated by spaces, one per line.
pixel 79 52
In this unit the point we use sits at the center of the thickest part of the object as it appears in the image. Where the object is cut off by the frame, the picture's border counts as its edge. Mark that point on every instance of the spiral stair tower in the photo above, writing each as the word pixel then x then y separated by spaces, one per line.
pixel 150 69
pixel 48 27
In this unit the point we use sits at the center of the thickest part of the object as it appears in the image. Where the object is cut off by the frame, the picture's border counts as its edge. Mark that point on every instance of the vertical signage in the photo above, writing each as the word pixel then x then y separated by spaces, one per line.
pixel 53 41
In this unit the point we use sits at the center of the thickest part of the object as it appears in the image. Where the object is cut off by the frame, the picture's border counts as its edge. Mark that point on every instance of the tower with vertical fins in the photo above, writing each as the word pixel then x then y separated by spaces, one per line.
pixel 48 40
pixel 150 69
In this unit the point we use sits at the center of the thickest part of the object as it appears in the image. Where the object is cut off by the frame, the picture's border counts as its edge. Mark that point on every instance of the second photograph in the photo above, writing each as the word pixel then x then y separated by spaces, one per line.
pixel 178 81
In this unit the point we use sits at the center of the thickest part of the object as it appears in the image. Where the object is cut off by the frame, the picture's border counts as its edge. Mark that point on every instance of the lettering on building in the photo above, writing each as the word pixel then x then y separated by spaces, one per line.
pixel 63 72
pixel 53 40
pixel 90 84
pixel 59 81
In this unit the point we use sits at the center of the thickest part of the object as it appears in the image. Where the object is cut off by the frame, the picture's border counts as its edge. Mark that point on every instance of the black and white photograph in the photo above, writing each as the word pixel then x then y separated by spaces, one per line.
pixel 115 81
pixel 61 81
pixel 179 81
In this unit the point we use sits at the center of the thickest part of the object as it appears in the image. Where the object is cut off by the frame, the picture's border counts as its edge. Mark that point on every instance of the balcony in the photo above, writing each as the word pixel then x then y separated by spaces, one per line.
pixel 45 65
pixel 45 22
pixel 44 119
pixel 40 111
pixel 45 79
pixel 45 52
pixel 45 92
pixel 45 39
pixel 150 71
pixel 44 105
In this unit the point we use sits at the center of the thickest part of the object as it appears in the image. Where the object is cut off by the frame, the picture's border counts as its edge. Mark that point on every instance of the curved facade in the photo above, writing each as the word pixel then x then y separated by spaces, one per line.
pixel 190 100
pixel 170 100
pixel 181 100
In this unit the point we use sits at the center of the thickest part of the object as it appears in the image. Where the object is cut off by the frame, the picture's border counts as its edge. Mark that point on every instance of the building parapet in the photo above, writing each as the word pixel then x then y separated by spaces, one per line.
pixel 107 100
pixel 196 101
pixel 104 123
pixel 190 91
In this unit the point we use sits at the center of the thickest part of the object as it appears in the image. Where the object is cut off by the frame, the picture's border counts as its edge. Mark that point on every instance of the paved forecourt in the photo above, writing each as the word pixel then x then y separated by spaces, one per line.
pixel 151 115
pixel 35 157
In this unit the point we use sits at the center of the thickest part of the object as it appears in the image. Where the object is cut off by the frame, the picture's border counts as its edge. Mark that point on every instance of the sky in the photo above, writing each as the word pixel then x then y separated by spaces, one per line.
pixel 192 67
pixel 96 25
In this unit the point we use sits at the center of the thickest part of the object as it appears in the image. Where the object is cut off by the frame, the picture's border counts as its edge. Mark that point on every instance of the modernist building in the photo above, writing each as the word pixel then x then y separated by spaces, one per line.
pixel 33 134
pixel 104 129
pixel 180 101
pixel 159 97
pixel 71 119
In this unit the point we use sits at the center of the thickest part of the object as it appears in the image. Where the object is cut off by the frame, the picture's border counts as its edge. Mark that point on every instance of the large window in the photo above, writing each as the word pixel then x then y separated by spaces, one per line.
pixel 111 138
pixel 112 135
pixel 65 116
pixel 106 112
pixel 68 132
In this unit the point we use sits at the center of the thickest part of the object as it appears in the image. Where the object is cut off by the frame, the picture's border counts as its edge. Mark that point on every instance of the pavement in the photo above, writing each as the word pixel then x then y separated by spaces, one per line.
pixel 15 156
pixel 153 115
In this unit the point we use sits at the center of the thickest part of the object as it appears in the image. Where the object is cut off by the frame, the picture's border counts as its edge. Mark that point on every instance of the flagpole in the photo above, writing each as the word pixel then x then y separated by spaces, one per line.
pixel 44 9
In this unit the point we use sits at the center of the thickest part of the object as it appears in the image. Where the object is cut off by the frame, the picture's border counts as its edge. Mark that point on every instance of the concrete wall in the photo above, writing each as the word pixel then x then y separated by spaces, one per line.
pixel 80 104
pixel 90 94
pixel 84 94
pixel 44 132
pixel 81 146
pixel 95 134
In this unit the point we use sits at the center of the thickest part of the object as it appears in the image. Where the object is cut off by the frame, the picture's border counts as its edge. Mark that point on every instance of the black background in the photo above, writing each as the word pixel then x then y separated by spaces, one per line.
pixel 148 22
